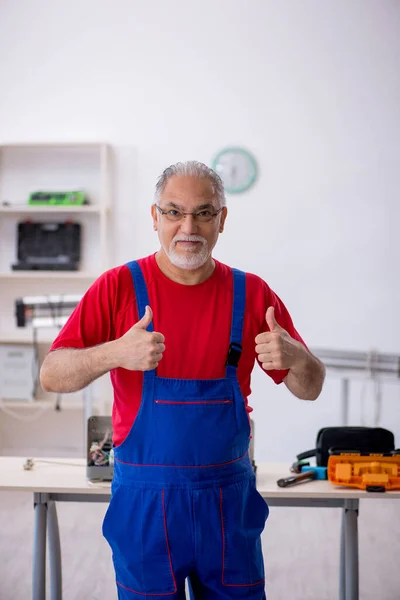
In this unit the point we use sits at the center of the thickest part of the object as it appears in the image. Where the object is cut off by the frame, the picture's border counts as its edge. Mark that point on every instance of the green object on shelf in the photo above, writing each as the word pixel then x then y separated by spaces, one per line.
pixel 57 199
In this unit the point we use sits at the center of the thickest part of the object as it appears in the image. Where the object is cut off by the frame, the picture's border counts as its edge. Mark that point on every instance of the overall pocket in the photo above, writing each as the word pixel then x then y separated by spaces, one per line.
pixel 243 515
pixel 135 526
pixel 205 430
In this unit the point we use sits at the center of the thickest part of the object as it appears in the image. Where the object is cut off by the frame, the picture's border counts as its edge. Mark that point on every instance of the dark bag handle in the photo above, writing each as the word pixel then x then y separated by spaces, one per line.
pixel 307 454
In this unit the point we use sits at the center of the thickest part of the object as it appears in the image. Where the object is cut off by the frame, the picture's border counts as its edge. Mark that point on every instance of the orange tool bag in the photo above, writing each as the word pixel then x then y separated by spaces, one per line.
pixel 373 472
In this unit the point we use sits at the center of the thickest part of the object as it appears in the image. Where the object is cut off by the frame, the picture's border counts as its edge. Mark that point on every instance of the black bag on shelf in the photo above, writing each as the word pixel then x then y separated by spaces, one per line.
pixel 362 439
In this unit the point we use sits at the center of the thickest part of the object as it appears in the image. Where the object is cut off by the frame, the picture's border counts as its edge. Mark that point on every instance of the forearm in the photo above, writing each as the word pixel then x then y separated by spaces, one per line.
pixel 71 369
pixel 306 376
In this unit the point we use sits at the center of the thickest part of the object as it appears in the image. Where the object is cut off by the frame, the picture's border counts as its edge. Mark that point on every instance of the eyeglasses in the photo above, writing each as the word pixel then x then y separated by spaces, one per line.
pixel 202 216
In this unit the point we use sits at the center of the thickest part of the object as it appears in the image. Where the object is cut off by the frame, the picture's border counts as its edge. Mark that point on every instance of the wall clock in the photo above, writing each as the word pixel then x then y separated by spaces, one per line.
pixel 237 168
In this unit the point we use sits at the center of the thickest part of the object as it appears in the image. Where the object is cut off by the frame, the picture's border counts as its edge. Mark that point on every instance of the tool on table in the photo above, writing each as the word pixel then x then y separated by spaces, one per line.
pixel 307 473
pixel 363 457
pixel 361 439
pixel 368 471
pixel 100 451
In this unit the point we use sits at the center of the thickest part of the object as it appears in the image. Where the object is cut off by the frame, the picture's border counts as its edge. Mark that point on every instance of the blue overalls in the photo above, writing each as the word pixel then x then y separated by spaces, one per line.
pixel 184 502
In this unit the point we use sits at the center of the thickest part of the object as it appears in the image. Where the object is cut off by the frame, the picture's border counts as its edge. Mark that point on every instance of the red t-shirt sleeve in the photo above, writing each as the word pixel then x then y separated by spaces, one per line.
pixel 283 319
pixel 93 320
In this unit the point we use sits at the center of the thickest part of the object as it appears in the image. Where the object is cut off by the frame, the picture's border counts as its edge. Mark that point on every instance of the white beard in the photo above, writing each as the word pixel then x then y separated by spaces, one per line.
pixel 192 258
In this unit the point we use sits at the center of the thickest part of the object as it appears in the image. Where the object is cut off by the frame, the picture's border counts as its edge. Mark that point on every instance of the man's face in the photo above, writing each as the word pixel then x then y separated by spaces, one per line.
pixel 188 242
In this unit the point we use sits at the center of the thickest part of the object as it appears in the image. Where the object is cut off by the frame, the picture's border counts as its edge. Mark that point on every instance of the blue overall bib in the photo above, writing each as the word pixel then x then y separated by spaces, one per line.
pixel 184 502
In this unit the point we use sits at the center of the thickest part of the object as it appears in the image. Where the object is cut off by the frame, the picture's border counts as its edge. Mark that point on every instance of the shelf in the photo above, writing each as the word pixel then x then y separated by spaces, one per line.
pixel 61 145
pixel 48 275
pixel 24 335
pixel 27 209
pixel 52 165
pixel 42 339
pixel 49 405
pixel 41 404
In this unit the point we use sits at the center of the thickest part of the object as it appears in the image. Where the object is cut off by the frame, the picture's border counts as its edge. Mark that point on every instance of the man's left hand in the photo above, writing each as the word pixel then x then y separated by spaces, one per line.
pixel 276 349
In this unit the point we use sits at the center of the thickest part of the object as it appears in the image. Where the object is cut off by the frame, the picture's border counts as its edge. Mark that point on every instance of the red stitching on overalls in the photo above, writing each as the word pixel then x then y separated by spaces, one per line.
pixel 169 558
pixel 145 593
pixel 181 466
pixel 194 402
pixel 166 539
pixel 223 550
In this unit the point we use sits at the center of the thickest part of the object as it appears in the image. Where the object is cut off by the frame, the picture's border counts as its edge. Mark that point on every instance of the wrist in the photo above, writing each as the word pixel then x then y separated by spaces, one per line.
pixel 107 355
pixel 301 359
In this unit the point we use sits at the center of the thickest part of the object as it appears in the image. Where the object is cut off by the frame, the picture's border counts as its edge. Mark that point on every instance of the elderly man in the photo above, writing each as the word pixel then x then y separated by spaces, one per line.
pixel 179 333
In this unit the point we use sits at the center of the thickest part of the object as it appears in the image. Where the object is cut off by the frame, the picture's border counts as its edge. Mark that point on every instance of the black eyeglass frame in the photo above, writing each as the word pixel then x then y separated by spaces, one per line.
pixel 183 214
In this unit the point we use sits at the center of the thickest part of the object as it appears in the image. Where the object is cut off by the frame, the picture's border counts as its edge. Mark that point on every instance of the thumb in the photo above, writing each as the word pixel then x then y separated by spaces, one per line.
pixel 145 320
pixel 271 321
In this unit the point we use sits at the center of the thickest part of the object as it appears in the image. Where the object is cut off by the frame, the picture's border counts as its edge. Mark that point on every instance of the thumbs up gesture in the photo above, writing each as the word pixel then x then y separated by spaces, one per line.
pixel 275 348
pixel 139 349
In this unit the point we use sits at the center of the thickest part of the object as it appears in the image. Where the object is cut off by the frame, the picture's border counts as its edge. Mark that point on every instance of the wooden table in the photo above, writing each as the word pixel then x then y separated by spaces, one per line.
pixel 64 480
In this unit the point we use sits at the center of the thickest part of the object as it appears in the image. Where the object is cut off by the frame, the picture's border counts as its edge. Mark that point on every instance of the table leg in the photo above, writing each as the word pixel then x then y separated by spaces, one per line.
pixel 39 549
pixel 342 567
pixel 53 534
pixel 350 516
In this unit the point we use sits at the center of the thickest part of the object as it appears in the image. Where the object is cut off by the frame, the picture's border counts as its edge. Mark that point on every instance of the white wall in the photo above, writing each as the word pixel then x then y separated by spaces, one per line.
pixel 312 88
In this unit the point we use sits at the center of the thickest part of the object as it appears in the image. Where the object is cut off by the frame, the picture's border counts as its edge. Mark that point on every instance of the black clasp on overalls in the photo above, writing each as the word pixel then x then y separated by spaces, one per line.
pixel 234 354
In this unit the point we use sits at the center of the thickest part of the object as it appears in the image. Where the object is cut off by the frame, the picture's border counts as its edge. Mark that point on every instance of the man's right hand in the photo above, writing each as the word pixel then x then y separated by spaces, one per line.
pixel 138 349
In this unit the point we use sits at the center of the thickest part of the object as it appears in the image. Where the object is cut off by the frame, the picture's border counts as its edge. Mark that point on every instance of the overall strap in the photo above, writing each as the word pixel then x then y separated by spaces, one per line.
pixel 142 298
pixel 239 302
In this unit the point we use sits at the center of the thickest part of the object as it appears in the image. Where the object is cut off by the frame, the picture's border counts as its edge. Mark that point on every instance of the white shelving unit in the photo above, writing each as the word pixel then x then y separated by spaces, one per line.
pixel 29 210
pixel 38 275
pixel 59 166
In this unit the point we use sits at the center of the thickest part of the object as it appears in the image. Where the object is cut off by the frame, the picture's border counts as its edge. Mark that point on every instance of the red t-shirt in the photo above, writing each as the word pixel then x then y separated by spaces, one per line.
pixel 194 319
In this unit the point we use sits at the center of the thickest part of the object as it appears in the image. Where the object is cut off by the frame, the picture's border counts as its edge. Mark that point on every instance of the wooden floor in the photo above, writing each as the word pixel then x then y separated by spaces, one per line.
pixel 301 548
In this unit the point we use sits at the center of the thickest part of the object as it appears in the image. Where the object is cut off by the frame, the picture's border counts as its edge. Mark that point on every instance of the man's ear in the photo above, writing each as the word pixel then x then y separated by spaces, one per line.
pixel 224 214
pixel 154 215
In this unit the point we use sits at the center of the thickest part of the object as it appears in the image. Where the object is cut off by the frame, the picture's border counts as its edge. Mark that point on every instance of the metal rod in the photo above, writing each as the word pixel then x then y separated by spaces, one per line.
pixel 39 550
pixel 53 536
pixel 43 301
pixel 342 567
pixel 351 549
pixel 371 362
pixel 345 401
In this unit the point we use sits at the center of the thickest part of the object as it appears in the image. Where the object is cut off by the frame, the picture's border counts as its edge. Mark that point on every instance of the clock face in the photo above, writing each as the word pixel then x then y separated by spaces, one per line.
pixel 237 169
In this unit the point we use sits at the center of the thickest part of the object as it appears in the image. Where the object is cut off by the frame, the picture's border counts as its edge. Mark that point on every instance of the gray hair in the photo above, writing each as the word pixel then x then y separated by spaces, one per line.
pixel 192 168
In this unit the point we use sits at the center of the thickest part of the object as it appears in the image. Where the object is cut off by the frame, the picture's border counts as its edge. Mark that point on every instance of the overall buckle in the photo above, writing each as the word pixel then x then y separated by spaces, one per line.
pixel 234 354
